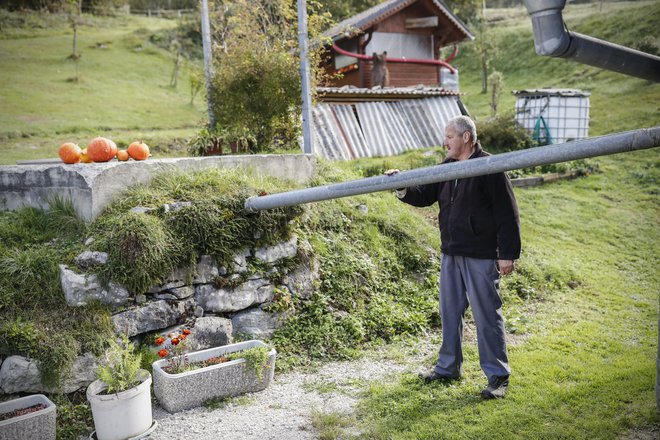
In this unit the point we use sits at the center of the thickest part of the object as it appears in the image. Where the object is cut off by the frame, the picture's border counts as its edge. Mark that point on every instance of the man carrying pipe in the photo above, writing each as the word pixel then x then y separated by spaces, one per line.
pixel 480 233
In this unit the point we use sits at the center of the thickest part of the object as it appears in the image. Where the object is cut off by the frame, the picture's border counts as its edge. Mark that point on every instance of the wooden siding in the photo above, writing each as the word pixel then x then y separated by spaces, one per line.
pixel 403 74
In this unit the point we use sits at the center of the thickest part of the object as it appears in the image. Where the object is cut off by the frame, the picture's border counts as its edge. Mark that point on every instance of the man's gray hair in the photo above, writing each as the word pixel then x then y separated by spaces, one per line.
pixel 462 124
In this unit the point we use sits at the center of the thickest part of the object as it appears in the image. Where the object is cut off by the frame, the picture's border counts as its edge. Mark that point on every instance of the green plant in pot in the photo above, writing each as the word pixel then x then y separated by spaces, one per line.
pixel 121 396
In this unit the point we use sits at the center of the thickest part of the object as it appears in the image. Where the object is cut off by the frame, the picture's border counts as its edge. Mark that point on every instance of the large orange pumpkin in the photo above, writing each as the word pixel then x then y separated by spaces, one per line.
pixel 69 152
pixel 101 149
pixel 138 150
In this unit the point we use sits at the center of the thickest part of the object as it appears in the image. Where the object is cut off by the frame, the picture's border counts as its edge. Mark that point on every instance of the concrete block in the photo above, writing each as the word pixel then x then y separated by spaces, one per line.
pixel 38 425
pixel 190 389
pixel 93 186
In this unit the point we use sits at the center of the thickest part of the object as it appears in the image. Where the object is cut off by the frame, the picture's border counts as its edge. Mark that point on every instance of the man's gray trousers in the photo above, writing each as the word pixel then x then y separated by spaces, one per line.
pixel 471 281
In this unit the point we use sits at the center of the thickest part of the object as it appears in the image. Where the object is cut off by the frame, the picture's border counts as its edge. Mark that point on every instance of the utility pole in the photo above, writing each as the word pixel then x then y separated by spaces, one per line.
pixel 303 44
pixel 208 60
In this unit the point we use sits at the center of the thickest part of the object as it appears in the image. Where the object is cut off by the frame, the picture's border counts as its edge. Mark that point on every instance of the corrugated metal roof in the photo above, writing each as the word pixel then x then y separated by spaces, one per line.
pixel 551 92
pixel 382 128
pixel 365 19
pixel 352 93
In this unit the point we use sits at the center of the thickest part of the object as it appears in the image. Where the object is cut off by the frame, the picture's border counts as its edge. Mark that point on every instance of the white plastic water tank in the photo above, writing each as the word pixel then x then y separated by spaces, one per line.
pixel 448 80
pixel 553 115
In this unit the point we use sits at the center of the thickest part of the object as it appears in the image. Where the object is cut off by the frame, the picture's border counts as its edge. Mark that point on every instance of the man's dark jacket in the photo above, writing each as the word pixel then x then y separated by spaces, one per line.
pixel 478 215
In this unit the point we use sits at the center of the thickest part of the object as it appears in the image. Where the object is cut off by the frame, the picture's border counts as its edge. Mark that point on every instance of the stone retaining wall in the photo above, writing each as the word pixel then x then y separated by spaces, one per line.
pixel 218 303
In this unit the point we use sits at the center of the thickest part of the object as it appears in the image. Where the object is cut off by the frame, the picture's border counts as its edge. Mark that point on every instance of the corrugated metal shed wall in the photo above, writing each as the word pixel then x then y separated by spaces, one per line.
pixel 387 128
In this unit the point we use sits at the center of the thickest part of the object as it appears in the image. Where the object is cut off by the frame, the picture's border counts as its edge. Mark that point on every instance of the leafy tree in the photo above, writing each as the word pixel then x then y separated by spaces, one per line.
pixel 256 86
pixel 486 49
pixel 496 85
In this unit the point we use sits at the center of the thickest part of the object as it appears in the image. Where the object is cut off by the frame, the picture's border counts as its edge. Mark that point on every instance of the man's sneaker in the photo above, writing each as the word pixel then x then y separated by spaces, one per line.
pixel 433 376
pixel 496 388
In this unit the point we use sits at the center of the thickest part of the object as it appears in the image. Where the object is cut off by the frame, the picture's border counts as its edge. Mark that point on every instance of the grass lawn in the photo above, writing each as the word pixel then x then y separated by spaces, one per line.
pixel 586 367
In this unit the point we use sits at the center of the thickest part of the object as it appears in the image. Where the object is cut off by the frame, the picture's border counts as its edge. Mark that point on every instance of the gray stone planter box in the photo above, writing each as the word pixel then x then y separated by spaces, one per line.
pixel 38 425
pixel 176 392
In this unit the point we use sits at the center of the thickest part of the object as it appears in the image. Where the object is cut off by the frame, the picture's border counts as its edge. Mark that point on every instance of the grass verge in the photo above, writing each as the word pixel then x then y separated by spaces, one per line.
pixel 587 366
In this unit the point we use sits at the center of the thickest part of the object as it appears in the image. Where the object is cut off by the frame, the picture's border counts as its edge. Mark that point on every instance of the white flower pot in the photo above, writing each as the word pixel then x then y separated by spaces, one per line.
pixel 121 415
pixel 176 392
pixel 38 425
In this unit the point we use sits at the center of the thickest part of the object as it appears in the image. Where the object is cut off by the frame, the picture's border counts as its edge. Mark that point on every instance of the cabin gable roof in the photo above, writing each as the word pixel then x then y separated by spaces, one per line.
pixel 366 19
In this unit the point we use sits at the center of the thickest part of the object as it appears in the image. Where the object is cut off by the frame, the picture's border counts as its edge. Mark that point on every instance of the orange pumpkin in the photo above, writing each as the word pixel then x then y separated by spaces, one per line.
pixel 84 157
pixel 138 150
pixel 69 152
pixel 101 149
pixel 122 155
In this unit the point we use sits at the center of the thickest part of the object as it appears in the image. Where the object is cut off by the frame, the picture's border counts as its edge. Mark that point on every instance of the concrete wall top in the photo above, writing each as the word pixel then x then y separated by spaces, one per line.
pixel 93 186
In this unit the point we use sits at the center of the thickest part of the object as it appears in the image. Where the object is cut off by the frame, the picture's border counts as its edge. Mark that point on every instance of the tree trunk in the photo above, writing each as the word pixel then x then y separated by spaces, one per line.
pixel 75 38
pixel 484 78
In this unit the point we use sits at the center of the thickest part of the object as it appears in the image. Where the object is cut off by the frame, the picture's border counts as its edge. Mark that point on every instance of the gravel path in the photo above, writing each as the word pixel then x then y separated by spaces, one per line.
pixel 284 410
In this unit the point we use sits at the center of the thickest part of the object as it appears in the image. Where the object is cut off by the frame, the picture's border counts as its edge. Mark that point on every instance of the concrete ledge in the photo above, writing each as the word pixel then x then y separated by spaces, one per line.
pixel 93 186
pixel 526 182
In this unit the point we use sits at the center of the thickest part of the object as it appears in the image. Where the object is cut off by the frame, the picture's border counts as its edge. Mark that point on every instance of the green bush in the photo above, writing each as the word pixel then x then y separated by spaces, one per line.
pixel 502 134
pixel 254 94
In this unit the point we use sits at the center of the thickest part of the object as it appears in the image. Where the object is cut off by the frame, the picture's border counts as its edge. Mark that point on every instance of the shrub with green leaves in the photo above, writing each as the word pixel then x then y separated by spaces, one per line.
pixel 501 134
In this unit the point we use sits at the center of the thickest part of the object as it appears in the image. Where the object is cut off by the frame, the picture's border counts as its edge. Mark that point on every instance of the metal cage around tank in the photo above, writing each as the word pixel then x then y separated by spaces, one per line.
pixel 553 116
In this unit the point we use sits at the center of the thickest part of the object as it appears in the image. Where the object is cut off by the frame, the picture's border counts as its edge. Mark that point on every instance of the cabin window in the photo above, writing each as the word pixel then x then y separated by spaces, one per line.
pixel 343 60
pixel 401 45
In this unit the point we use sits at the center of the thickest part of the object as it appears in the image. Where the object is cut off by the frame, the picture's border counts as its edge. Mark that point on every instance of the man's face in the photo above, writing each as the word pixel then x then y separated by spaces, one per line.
pixel 457 145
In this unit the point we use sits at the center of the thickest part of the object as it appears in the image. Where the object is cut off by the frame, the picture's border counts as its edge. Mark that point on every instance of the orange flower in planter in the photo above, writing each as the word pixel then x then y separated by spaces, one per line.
pixel 174 349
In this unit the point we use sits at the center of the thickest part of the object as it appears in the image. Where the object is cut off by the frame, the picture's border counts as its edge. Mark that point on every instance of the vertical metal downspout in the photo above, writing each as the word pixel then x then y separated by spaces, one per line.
pixel 208 61
pixel 552 39
pixel 305 89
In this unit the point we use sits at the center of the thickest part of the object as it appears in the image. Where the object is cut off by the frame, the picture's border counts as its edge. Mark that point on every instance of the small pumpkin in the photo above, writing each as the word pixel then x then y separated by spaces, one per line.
pixel 101 149
pixel 138 150
pixel 69 152
pixel 122 155
pixel 84 157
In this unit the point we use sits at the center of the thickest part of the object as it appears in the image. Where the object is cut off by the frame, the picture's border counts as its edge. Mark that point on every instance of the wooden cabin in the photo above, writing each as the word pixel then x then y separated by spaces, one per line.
pixel 405 29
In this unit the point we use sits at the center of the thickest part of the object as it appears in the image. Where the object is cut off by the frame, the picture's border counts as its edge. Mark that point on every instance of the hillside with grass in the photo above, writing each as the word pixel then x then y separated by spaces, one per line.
pixel 581 311
pixel 618 102
pixel 120 89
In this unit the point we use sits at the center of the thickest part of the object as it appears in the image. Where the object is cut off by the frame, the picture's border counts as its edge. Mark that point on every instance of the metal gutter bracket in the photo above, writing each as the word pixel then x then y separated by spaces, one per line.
pixel 552 39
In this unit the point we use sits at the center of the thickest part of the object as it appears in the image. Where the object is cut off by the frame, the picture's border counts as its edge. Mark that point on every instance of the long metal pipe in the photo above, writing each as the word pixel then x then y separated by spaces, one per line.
pixel 551 38
pixel 598 146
